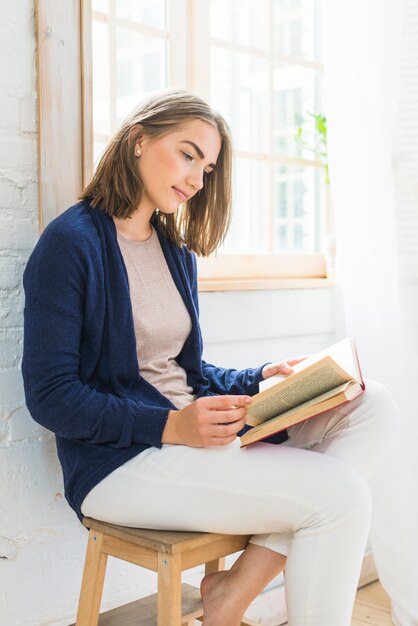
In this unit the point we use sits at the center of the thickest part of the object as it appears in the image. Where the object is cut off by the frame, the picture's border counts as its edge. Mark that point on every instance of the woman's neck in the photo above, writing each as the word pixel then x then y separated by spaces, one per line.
pixel 137 227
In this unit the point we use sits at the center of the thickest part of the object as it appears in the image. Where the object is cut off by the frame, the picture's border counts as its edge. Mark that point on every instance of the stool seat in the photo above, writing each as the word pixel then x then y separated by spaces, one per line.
pixel 168 553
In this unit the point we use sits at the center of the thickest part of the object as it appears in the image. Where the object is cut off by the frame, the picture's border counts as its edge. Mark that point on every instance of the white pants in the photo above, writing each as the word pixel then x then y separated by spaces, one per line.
pixel 314 508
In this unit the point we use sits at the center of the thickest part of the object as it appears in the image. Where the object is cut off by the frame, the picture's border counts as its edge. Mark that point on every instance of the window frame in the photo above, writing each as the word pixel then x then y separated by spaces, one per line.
pixel 64 104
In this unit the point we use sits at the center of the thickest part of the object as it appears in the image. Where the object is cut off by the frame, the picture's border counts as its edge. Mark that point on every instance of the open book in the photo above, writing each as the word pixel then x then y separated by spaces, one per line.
pixel 322 381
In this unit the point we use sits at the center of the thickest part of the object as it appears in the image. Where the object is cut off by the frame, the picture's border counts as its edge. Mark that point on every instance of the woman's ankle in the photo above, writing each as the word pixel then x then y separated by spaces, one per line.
pixel 222 601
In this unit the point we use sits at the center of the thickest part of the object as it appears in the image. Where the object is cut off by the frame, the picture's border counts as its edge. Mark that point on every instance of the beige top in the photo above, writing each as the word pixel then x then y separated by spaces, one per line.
pixel 161 320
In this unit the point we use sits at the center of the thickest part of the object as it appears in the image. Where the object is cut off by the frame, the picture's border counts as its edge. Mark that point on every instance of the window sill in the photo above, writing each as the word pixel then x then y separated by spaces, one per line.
pixel 228 272
pixel 260 284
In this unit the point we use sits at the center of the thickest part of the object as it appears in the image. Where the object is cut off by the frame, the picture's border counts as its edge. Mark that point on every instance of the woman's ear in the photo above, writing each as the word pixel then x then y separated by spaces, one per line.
pixel 135 138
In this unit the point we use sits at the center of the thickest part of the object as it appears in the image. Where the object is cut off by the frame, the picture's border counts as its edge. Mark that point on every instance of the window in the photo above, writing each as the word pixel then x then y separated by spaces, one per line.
pixel 264 73
pixel 257 62
pixel 130 55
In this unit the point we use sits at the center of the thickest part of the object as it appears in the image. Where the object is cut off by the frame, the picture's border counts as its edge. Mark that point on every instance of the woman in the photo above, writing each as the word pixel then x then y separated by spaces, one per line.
pixel 146 431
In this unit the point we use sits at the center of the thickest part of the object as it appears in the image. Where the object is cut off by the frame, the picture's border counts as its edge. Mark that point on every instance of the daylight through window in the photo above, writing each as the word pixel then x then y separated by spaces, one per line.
pixel 259 64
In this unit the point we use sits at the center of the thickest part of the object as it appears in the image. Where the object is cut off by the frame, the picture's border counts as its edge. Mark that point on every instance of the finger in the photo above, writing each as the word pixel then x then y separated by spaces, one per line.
pixel 223 429
pixel 228 417
pixel 221 441
pixel 227 430
pixel 297 359
pixel 285 368
pixel 281 368
pixel 224 402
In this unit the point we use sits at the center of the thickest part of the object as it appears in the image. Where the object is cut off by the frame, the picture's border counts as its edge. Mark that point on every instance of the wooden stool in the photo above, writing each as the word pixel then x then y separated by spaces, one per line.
pixel 168 553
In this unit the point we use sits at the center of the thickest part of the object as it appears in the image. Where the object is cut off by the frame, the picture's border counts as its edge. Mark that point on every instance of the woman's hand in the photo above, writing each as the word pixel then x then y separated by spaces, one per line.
pixel 208 421
pixel 284 368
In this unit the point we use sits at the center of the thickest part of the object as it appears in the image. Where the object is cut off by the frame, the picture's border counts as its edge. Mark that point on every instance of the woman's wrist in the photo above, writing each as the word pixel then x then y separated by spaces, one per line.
pixel 264 371
pixel 169 432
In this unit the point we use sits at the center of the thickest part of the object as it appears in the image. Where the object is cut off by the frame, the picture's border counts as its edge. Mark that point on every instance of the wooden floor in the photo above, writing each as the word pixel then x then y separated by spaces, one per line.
pixel 372 607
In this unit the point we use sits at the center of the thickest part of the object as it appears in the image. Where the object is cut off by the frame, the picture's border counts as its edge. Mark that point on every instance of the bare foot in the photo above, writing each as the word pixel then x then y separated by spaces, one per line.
pixel 210 581
pixel 219 609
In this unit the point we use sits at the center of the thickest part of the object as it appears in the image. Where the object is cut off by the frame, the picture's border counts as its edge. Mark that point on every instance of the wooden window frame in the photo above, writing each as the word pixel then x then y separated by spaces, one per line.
pixel 65 143
pixel 63 32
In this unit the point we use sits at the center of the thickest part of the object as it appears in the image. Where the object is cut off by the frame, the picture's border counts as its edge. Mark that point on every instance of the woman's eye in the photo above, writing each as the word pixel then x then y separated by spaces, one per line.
pixel 188 157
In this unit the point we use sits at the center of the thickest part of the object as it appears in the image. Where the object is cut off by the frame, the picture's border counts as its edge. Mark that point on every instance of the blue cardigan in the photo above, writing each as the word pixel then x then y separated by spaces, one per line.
pixel 80 367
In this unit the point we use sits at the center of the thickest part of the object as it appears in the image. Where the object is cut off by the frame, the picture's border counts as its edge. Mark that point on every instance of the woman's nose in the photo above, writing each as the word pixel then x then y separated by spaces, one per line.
pixel 195 180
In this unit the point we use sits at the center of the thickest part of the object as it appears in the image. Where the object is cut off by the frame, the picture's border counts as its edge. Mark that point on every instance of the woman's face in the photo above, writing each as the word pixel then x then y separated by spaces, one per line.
pixel 173 167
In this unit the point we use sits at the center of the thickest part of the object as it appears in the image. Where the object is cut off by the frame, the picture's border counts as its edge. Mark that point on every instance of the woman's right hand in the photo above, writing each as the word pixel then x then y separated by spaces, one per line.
pixel 208 421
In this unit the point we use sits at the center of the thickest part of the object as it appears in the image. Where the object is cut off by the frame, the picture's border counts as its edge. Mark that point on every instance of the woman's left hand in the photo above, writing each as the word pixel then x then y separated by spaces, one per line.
pixel 284 368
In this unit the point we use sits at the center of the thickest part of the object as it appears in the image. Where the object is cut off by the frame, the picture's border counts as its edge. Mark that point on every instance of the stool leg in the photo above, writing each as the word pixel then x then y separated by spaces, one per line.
pixel 218 565
pixel 169 590
pixel 93 578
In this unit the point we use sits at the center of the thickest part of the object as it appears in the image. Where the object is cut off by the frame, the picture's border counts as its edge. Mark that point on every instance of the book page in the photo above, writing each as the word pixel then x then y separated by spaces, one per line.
pixel 295 390
pixel 289 396
pixel 336 397
pixel 343 353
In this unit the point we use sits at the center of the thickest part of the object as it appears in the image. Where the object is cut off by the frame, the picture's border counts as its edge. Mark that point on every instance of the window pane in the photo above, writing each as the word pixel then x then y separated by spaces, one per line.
pixel 248 232
pixel 149 12
pixel 294 28
pixel 245 22
pixel 282 198
pixel 141 68
pixel 239 88
pixel 100 5
pixel 298 236
pixel 101 88
pixel 282 245
pixel 265 100
pixel 98 148
pixel 297 190
pixel 294 98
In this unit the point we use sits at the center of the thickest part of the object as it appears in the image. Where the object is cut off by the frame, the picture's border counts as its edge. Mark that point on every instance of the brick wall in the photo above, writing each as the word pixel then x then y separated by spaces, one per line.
pixel 18 196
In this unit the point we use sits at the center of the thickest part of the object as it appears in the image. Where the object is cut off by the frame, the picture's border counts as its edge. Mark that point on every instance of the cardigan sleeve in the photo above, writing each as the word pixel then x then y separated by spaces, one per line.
pixel 231 381
pixel 224 380
pixel 55 282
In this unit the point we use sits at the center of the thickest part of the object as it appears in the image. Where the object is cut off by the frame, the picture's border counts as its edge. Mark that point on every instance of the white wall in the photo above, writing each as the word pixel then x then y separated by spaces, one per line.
pixel 41 542
pixel 245 329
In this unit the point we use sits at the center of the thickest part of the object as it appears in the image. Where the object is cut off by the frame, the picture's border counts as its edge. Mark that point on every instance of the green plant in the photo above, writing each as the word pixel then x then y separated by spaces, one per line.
pixel 320 150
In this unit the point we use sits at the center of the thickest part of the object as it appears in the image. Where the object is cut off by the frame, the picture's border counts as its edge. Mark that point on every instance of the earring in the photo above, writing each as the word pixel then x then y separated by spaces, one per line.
pixel 138 152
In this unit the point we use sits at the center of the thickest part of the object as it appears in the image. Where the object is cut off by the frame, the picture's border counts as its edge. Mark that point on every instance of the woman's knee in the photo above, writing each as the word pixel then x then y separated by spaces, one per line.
pixel 355 496
pixel 344 496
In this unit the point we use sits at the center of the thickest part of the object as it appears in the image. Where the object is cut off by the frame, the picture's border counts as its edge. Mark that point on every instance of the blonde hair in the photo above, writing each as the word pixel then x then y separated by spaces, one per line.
pixel 116 187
